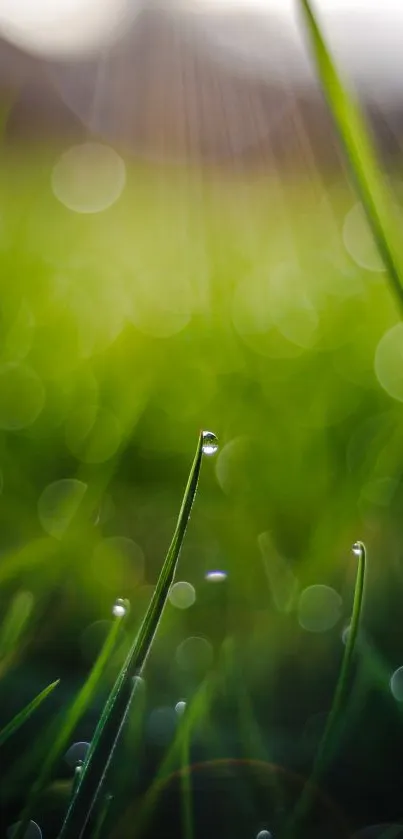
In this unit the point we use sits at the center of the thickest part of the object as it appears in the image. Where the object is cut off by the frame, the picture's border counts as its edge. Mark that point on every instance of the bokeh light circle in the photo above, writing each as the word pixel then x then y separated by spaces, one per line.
pixel 76 752
pixel 89 178
pixel 59 503
pixel 22 396
pixel 93 434
pixel 118 560
pixel 195 655
pixel 319 608
pixel 359 241
pixel 33 831
pixel 396 684
pixel 389 362
pixel 182 595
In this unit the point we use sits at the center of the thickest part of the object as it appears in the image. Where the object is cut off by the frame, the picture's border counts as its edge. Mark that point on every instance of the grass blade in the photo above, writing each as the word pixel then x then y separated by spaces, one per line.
pixel 340 694
pixel 70 721
pixel 360 153
pixel 118 704
pixel 194 714
pixel 26 712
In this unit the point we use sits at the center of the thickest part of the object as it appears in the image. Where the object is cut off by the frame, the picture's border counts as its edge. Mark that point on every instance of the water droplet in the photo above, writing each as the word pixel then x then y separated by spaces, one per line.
pixel 210 442
pixel 77 753
pixel 264 834
pixel 120 608
pixel 180 707
pixel 358 549
pixel 138 684
pixel 182 595
pixel 33 831
pixel 78 767
pixel 216 576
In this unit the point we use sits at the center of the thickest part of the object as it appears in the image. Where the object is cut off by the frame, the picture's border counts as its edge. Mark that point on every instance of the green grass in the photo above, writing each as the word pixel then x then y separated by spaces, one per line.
pixel 360 154
pixel 68 725
pixel 123 693
pixel 133 348
pixel 26 712
pixel 327 745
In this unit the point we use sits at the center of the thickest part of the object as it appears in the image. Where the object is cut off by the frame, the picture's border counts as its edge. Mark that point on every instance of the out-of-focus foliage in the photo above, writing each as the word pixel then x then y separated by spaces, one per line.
pixel 257 308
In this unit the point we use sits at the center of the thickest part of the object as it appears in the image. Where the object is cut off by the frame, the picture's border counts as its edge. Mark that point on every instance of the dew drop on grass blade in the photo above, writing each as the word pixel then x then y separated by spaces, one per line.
pixel 340 694
pixel 71 719
pixel 119 701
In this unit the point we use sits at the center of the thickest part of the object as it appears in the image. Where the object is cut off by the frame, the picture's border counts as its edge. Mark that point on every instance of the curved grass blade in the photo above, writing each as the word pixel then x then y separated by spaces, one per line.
pixel 118 704
pixel 341 691
pixel 26 712
pixel 360 154
pixel 70 721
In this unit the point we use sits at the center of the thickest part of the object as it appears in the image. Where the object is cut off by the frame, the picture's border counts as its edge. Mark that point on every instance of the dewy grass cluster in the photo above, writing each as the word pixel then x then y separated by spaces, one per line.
pixel 89 787
pixel 90 778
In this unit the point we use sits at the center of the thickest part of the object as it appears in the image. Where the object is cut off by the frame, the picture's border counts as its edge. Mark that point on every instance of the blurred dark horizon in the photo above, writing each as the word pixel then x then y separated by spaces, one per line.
pixel 159 94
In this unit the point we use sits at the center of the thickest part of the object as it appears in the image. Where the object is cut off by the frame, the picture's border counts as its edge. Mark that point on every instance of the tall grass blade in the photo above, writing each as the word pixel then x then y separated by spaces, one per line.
pixel 26 712
pixel 69 723
pixel 118 704
pixel 340 694
pixel 360 153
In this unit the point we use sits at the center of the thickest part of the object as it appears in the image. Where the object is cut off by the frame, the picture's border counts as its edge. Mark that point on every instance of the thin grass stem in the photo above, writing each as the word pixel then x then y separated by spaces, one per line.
pixel 340 695
pixel 117 707
pixel 71 719
pixel 26 712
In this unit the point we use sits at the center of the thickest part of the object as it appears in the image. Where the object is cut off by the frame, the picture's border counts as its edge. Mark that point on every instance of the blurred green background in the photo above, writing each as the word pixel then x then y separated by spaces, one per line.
pixel 256 307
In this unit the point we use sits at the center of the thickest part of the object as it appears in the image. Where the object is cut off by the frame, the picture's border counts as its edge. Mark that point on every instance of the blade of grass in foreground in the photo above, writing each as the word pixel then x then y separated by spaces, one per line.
pixel 71 719
pixel 360 153
pixel 340 695
pixel 118 704
pixel 26 712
